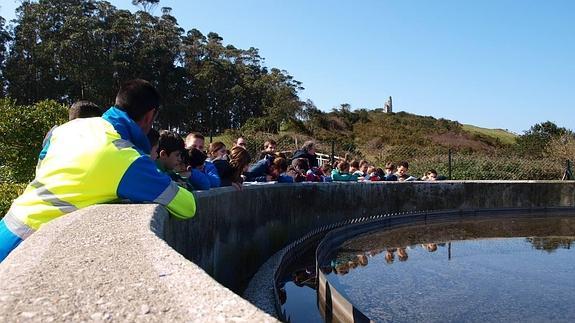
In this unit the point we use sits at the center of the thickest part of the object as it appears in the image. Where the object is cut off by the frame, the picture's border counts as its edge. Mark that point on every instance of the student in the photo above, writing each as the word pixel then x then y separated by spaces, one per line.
pixel 195 140
pixel 297 176
pixel 93 161
pixel 153 138
pixel 372 174
pixel 269 148
pixel 217 151
pixel 84 109
pixel 354 168
pixel 326 170
pixel 231 169
pixel 390 172
pixel 195 161
pixel 307 151
pixel 430 175
pixel 258 172
pixel 301 166
pixel 203 175
pixel 341 173
pixel 241 141
pixel 402 172
pixel 314 174
pixel 363 168
pixel 281 165
pixel 170 146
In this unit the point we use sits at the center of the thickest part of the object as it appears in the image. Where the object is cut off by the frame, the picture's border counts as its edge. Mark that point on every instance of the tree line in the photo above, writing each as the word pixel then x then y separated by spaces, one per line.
pixel 67 50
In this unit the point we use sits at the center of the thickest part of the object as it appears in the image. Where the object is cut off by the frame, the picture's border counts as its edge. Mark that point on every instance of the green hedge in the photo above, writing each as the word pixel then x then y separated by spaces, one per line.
pixel 23 128
pixel 8 192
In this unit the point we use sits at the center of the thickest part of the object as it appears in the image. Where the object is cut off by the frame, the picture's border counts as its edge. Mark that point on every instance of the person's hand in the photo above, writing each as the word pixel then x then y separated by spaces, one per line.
pixel 237 186
pixel 269 178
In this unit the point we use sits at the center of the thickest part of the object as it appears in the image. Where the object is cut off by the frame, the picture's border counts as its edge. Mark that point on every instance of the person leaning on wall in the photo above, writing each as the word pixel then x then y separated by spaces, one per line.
pixel 96 160
pixel 307 151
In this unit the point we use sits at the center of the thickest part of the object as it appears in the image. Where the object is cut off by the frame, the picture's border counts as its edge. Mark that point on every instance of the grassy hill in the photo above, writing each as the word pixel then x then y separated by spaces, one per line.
pixel 373 134
pixel 504 136
pixel 381 130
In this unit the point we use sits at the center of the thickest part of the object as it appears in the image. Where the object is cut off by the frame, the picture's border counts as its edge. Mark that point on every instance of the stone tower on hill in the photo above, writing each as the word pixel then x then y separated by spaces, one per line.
pixel 388 107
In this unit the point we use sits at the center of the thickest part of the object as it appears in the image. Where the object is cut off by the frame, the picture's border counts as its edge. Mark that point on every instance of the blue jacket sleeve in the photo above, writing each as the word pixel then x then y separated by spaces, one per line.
pixel 213 175
pixel 258 171
pixel 199 180
pixel 142 182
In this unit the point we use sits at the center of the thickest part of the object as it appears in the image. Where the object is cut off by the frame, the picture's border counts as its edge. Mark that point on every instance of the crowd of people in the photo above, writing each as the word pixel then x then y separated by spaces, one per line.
pixel 190 164
pixel 343 264
pixel 102 156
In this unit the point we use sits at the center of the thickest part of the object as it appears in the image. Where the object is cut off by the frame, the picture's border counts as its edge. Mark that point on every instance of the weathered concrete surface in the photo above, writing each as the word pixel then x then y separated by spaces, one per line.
pixel 111 262
pixel 104 263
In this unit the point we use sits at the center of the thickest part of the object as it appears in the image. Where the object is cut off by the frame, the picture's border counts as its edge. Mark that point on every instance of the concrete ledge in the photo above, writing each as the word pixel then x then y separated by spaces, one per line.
pixel 132 262
pixel 104 263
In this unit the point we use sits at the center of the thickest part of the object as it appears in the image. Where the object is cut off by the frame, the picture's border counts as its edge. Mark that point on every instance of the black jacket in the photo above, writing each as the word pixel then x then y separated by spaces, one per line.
pixel 312 159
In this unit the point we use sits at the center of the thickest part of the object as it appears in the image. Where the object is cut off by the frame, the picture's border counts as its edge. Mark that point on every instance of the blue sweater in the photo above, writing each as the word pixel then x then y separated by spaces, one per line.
pixel 206 179
pixel 258 171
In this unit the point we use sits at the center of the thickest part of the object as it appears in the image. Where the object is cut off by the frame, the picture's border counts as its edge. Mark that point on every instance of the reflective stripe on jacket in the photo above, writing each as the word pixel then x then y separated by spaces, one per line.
pixel 92 161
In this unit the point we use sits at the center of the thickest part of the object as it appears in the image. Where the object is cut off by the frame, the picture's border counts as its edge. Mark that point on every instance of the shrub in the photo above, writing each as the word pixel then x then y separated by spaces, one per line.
pixel 8 192
pixel 23 128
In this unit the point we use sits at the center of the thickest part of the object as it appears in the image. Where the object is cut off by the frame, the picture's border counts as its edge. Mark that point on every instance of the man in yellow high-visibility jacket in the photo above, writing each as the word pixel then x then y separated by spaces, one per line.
pixel 96 160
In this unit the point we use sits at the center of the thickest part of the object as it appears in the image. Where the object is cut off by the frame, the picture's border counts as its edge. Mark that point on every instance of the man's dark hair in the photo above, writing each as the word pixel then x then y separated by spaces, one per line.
pixel 137 97
pixel 170 142
pixel 195 157
pixel 84 109
pixel 404 164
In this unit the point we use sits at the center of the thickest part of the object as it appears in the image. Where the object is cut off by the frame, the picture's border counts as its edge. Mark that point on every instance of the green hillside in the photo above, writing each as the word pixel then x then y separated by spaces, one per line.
pixel 504 136
pixel 380 130
pixel 374 133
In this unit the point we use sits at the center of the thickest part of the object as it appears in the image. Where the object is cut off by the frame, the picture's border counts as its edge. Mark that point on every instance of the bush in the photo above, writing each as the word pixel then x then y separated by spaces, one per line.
pixel 8 192
pixel 23 128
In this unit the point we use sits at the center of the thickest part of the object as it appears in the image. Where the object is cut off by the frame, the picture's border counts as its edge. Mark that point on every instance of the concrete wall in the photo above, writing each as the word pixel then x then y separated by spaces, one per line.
pixel 234 232
pixel 111 261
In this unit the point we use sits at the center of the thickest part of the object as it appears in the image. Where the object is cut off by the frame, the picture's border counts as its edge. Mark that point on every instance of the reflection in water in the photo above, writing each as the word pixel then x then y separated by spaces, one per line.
pixel 297 292
pixel 550 244
pixel 491 270
pixel 399 241
pixel 480 271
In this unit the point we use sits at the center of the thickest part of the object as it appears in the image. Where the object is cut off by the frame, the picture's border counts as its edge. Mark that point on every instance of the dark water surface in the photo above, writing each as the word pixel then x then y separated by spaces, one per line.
pixel 491 270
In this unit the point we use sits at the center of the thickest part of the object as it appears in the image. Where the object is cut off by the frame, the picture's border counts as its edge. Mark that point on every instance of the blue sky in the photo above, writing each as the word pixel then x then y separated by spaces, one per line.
pixel 493 63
